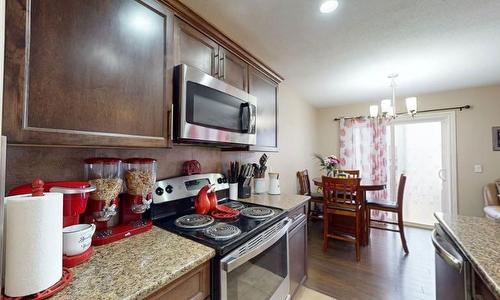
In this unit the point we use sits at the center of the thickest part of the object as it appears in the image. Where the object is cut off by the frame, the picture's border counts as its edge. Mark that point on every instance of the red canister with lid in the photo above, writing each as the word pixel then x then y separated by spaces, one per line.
pixel 75 196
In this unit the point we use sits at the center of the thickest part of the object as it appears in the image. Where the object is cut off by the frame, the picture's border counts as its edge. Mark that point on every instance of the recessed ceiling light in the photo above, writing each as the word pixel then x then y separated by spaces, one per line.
pixel 328 6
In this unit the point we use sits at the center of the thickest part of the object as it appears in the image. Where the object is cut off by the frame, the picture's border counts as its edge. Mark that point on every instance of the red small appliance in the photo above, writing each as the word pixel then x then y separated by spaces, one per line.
pixel 106 174
pixel 75 196
pixel 75 199
pixel 140 177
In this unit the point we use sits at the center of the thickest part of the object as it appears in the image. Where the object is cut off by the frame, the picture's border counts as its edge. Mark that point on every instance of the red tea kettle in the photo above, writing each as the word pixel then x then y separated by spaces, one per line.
pixel 212 198
pixel 202 202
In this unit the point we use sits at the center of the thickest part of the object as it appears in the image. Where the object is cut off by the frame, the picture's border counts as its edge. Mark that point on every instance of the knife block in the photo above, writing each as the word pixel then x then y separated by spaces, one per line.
pixel 244 190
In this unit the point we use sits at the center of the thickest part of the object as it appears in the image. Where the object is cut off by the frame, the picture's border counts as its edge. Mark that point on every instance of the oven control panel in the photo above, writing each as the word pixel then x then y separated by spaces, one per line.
pixel 176 188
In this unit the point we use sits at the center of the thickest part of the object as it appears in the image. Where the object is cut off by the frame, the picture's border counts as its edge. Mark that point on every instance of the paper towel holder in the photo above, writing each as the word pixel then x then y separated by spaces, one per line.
pixel 66 279
pixel 37 187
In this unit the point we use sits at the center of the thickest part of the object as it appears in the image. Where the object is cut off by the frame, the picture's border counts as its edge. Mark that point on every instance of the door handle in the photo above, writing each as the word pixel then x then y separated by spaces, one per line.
pixel 441 174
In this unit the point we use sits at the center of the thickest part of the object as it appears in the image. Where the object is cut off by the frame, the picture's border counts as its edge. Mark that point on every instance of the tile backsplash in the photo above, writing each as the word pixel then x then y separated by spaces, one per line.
pixel 52 163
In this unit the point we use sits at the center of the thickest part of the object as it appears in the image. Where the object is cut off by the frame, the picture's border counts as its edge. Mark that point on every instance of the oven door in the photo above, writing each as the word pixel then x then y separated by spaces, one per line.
pixel 210 110
pixel 258 270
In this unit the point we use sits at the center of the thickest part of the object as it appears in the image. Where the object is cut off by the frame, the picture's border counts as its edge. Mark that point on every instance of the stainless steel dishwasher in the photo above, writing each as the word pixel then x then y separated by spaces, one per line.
pixel 453 274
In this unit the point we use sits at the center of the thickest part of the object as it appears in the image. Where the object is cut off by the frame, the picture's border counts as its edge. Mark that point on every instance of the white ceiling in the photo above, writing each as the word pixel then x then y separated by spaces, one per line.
pixel 345 56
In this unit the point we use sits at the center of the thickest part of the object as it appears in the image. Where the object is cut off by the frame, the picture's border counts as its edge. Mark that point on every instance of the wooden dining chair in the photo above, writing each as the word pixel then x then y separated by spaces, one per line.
pixel 305 189
pixel 339 199
pixel 396 208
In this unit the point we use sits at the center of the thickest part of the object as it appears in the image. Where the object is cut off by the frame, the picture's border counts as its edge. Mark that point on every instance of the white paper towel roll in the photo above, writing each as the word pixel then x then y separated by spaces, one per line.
pixel 33 243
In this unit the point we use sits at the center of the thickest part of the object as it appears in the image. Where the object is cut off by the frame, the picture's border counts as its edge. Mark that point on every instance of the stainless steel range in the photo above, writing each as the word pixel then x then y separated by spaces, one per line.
pixel 251 248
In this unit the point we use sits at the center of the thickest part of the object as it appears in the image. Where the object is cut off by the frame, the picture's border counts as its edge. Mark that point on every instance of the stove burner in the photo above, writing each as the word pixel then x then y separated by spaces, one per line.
pixel 193 221
pixel 235 204
pixel 257 212
pixel 222 231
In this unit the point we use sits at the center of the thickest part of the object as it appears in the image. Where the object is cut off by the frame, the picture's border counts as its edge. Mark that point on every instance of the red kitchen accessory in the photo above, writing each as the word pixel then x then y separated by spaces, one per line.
pixel 75 196
pixel 139 176
pixel 224 212
pixel 66 279
pixel 212 198
pixel 106 174
pixel 191 167
pixel 202 202
pixel 72 261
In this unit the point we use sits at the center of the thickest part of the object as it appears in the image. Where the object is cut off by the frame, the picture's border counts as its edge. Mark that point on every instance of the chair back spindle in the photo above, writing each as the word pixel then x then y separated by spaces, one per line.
pixel 340 191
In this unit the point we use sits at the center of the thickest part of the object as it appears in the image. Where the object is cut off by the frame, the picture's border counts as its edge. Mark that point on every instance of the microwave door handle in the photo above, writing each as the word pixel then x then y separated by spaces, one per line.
pixel 248 118
pixel 252 119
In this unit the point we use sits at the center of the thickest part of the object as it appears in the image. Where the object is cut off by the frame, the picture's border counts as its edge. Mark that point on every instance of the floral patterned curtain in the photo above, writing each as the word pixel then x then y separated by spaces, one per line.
pixel 363 146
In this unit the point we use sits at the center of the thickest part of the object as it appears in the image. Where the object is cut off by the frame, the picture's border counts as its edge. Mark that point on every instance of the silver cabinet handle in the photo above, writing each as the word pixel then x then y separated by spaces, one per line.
pixel 216 65
pixel 448 258
pixel 222 70
pixel 172 122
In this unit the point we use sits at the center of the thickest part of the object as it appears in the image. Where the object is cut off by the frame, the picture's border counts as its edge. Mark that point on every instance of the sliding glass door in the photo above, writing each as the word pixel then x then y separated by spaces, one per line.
pixel 423 148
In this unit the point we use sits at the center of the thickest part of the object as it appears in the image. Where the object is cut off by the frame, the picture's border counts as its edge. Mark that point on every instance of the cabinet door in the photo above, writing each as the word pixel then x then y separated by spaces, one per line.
pixel 194 285
pixel 88 73
pixel 266 92
pixel 297 241
pixel 233 70
pixel 195 49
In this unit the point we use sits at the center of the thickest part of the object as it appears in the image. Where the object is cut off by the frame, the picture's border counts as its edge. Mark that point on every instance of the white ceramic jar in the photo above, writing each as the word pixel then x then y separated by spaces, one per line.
pixel 77 238
pixel 259 185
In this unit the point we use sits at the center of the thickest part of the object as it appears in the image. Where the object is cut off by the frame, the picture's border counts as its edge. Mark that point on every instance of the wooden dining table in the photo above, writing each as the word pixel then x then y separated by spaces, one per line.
pixel 366 185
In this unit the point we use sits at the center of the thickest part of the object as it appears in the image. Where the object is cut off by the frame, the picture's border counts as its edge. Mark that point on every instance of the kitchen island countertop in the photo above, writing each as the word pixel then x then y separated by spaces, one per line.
pixel 284 201
pixel 134 267
pixel 479 239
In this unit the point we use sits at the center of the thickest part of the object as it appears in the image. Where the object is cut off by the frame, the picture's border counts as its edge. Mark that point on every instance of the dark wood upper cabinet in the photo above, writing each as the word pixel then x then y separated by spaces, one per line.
pixel 266 92
pixel 233 69
pixel 195 49
pixel 88 73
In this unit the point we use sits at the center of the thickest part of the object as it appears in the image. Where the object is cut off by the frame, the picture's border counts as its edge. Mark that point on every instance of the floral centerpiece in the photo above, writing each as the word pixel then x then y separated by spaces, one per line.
pixel 329 163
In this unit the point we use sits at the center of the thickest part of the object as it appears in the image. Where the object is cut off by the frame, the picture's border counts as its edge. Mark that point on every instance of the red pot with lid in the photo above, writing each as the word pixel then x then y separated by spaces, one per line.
pixel 75 196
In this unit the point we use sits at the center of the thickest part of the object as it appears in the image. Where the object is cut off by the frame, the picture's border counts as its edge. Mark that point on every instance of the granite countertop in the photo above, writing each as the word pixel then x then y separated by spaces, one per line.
pixel 134 267
pixel 479 240
pixel 284 201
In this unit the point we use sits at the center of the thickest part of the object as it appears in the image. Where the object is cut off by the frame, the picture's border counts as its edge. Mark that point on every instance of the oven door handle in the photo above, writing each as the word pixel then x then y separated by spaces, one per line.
pixel 445 255
pixel 233 262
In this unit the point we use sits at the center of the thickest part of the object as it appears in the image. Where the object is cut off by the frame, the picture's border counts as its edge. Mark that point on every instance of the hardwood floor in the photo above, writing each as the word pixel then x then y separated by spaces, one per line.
pixel 384 271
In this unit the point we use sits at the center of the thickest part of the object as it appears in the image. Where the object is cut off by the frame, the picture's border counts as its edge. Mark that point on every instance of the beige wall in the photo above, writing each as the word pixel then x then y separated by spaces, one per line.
pixel 296 139
pixel 474 137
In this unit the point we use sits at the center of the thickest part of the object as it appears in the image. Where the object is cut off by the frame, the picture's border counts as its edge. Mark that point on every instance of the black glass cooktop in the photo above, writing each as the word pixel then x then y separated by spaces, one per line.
pixel 249 228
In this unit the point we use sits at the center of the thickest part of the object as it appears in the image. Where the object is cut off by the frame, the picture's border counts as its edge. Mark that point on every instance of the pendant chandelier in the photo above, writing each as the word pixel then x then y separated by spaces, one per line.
pixel 388 106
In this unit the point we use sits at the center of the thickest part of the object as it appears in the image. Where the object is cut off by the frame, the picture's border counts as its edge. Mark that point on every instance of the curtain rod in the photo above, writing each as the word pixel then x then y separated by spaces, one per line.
pixel 460 108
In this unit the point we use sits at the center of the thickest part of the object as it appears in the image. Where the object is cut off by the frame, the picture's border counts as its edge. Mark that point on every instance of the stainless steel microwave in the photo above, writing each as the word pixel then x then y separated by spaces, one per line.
pixel 208 110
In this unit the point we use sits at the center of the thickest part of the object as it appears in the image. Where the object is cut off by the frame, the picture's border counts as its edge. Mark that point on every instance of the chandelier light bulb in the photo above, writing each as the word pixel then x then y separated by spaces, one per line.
pixel 386 106
pixel 373 111
pixel 411 105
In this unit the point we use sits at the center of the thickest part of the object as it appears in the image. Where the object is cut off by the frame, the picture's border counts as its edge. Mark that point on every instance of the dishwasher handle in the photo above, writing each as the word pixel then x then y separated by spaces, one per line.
pixel 451 260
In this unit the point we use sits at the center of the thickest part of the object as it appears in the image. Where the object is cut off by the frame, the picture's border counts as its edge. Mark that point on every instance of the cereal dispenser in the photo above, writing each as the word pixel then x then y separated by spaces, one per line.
pixel 140 177
pixel 105 173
